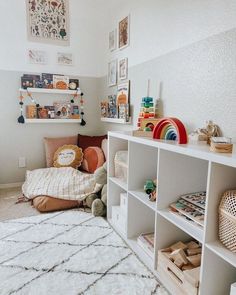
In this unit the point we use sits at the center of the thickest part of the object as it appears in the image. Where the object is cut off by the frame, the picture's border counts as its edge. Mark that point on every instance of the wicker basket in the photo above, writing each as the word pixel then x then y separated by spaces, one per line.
pixel 227 220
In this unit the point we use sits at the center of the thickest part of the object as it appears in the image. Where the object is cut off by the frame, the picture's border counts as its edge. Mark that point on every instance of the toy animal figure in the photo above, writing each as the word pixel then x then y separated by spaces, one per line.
pixel 98 202
pixel 205 134
pixel 150 189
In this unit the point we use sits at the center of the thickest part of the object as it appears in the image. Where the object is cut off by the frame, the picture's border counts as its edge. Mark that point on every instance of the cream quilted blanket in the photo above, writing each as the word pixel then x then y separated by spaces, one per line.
pixel 63 183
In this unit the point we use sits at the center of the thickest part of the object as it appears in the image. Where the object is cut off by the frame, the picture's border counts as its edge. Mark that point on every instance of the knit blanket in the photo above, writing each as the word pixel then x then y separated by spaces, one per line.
pixel 63 183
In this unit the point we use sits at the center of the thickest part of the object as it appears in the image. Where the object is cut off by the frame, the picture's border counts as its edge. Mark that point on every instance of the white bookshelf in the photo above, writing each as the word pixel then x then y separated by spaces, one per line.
pixel 179 169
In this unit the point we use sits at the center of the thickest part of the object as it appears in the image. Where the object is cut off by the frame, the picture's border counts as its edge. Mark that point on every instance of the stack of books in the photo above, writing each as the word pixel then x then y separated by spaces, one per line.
pixel 146 242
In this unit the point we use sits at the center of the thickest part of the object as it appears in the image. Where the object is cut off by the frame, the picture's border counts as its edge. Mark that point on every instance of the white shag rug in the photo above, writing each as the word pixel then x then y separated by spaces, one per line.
pixel 69 253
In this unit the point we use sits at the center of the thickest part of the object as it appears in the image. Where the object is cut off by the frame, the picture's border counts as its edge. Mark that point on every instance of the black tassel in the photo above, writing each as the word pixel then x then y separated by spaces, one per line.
pixel 83 123
pixel 21 119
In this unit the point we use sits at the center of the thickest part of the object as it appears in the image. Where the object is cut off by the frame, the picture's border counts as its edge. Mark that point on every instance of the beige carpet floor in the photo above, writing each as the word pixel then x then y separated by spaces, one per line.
pixel 8 207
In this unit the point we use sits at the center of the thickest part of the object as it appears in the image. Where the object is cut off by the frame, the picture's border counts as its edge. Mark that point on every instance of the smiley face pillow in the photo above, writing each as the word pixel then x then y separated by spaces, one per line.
pixel 68 156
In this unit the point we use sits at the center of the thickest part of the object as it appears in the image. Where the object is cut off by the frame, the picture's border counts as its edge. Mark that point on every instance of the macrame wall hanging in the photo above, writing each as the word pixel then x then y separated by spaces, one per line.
pixel 75 96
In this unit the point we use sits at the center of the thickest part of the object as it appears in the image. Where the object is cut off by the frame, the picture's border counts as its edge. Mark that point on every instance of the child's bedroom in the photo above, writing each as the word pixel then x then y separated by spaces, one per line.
pixel 118 147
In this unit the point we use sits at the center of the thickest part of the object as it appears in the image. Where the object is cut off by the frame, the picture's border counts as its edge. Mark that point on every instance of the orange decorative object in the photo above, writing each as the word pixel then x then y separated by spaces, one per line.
pixel 171 129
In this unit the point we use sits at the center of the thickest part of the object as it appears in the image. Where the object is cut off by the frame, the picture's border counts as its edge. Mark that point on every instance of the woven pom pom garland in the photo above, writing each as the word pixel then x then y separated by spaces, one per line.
pixel 171 129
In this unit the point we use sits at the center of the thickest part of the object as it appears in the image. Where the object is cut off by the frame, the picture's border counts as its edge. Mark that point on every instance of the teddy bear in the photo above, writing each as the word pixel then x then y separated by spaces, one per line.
pixel 98 202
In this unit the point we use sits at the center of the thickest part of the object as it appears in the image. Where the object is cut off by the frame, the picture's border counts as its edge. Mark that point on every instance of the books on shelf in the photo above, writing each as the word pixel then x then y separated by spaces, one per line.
pixel 146 242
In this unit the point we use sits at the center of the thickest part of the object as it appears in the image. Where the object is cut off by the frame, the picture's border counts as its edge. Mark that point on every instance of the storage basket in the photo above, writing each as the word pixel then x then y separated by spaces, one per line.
pixel 121 165
pixel 227 220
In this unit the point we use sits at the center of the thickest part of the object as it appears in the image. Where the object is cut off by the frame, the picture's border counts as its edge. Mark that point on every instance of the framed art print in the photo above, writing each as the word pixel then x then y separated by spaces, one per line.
pixel 112 40
pixel 48 21
pixel 124 32
pixel 112 73
pixel 64 59
pixel 37 57
pixel 123 69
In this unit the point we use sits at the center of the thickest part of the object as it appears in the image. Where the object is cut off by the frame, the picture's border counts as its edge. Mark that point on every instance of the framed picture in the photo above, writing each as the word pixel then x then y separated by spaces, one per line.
pixel 124 32
pixel 48 21
pixel 123 69
pixel 112 40
pixel 123 93
pixel 37 57
pixel 64 59
pixel 112 73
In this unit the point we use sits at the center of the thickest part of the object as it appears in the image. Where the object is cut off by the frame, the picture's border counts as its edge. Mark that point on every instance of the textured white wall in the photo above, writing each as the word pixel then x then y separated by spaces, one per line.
pixel 158 27
pixel 190 47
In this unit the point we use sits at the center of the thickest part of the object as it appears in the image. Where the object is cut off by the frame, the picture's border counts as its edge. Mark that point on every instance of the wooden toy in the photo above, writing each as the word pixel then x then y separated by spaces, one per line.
pixel 180 256
pixel 205 134
pixel 191 252
pixel 195 260
pixel 221 145
pixel 179 245
pixel 192 276
pixel 170 129
pixel 192 245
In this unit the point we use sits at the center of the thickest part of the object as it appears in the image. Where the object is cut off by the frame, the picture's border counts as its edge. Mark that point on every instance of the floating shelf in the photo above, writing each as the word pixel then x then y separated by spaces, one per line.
pixel 49 91
pixel 53 121
pixel 116 121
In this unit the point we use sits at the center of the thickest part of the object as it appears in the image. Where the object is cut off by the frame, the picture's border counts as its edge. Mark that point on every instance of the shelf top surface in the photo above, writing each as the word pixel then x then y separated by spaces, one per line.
pixel 194 149
pixel 50 91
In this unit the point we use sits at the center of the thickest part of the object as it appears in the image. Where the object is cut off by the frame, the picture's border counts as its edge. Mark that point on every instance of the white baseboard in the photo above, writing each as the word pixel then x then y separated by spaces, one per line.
pixel 11 185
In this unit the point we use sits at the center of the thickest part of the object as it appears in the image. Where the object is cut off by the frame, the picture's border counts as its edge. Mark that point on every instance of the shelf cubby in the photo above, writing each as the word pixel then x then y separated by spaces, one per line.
pixel 217 275
pixel 221 178
pixel 142 165
pixel 114 198
pixel 189 227
pixel 143 197
pixel 138 213
pixel 178 175
pixel 115 145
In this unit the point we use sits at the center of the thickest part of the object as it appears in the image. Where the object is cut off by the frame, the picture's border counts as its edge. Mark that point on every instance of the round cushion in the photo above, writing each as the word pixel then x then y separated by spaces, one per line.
pixel 93 159
pixel 68 156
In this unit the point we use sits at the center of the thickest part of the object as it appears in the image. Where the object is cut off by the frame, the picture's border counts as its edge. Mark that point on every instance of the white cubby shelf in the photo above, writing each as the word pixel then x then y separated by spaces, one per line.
pixel 178 169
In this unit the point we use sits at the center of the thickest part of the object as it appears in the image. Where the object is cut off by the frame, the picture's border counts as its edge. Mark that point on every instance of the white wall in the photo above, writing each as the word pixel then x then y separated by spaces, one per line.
pixel 85 27
pixel 27 140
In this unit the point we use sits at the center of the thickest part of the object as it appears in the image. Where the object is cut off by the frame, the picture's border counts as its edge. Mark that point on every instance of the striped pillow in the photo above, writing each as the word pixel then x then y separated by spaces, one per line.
pixel 93 159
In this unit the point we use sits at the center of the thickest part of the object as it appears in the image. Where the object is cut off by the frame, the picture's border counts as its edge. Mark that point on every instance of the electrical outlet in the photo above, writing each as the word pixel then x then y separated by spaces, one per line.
pixel 22 162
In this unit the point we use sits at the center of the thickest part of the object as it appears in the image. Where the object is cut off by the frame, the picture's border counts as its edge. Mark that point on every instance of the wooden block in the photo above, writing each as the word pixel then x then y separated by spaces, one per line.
pixel 166 250
pixel 192 245
pixel 180 255
pixel 187 267
pixel 195 260
pixel 179 245
pixel 178 262
pixel 192 276
pixel 194 251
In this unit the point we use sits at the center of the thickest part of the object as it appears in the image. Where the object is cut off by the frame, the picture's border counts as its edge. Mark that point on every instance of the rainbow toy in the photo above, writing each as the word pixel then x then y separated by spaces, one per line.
pixel 171 129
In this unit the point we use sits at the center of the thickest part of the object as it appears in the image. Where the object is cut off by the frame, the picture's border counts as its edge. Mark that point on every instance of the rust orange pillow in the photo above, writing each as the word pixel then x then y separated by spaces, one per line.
pixel 93 159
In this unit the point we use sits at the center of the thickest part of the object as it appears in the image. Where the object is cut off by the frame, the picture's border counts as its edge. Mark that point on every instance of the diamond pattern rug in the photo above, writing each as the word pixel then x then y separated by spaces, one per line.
pixel 70 252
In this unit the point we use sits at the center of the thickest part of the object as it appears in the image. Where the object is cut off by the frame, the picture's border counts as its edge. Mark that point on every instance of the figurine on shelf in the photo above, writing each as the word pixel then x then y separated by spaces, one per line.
pixel 150 189
pixel 205 134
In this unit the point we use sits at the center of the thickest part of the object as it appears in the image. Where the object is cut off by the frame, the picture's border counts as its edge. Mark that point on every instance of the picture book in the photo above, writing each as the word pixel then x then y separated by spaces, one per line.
pixel 62 109
pixel 123 93
pixel 60 82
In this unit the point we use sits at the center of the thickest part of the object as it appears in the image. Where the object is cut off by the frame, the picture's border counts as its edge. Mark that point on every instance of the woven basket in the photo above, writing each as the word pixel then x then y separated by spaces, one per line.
pixel 227 220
